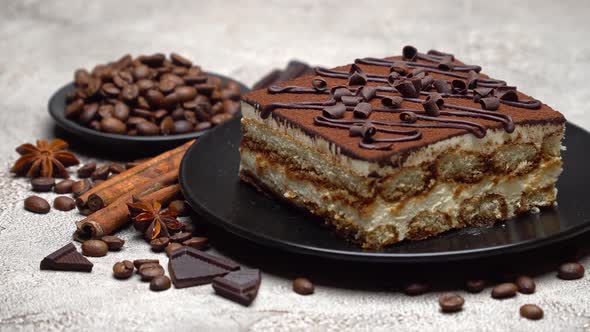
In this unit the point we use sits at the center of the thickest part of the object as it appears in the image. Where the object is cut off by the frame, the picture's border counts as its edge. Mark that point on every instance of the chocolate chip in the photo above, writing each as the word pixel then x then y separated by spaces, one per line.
pixel 139 262
pixel 86 170
pixel 531 311
pixel 303 286
pixel 475 285
pixel 416 288
pixel 149 271
pixel 504 290
pixel 450 302
pixel 406 89
pixel 94 248
pixel 180 237
pixel 196 242
pixel 319 83
pixel 159 244
pixel 123 270
pixel 160 283
pixel 171 247
pixel 63 187
pixel 37 204
pixel 392 101
pixel 113 242
pixel 525 284
pixel 362 110
pixel 490 103
pixel 80 187
pixel 570 271
pixel 42 184
pixel 409 53
pixel 335 112
pixel 64 203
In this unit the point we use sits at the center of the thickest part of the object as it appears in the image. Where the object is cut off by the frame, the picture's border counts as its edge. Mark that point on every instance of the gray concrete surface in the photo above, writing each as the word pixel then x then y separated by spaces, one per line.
pixel 540 46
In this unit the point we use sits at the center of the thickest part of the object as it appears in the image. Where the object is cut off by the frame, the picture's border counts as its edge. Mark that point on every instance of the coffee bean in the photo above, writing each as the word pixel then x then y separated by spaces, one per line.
pixel 160 283
pixel 63 187
pixel 180 60
pixel 196 242
pixel 220 118
pixel 303 286
pixel 106 111
pixel 475 285
pixel 81 77
pixel 109 89
pixel 166 86
pixel 185 93
pixel 37 204
pixel 182 127
pixel 42 184
pixel 139 262
pixel 159 244
pixel 416 288
pixel 155 98
pixel 525 284
pixel 167 125
pixel 113 125
pixel 570 271
pixel 130 92
pixel 86 170
pixel 148 129
pixel 180 237
pixel 145 85
pixel 94 248
pixel 531 311
pixel 180 207
pixel 80 187
pixel 171 247
pixel 74 109
pixel 113 242
pixel 101 173
pixel 505 290
pixel 450 302
pixel 149 271
pixel 121 111
pixel 141 72
pixel 123 270
pixel 153 60
pixel 203 126
pixel 64 203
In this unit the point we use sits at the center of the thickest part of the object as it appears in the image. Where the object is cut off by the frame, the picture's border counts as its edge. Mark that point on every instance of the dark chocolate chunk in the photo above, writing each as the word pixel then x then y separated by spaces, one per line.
pixel 338 91
pixel 409 53
pixel 392 77
pixel 506 93
pixel 362 110
pixel 334 112
pixel 432 103
pixel 319 83
pixel 399 68
pixel 351 100
pixel 427 82
pixel 479 93
pixel 365 131
pixel 417 73
pixel 191 267
pixel 406 89
pixel 392 101
pixel 441 86
pixel 239 286
pixel 66 259
pixel 446 64
pixel 409 117
pixel 357 75
pixel 459 87
pixel 472 78
pixel 490 103
pixel 367 92
pixel 417 82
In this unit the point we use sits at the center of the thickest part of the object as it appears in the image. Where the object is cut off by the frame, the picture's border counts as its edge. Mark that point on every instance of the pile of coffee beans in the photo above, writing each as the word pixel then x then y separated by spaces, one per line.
pixel 151 95
pixel 148 270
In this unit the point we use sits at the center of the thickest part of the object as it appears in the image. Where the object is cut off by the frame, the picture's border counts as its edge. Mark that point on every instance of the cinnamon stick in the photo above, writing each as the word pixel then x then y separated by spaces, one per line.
pixel 106 221
pixel 107 192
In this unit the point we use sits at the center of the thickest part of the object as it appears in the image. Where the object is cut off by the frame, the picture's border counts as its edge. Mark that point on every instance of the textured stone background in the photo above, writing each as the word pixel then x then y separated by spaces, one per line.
pixel 540 46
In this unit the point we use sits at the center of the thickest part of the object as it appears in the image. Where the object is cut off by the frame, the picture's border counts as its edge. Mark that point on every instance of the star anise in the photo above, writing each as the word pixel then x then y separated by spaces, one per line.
pixel 149 218
pixel 45 159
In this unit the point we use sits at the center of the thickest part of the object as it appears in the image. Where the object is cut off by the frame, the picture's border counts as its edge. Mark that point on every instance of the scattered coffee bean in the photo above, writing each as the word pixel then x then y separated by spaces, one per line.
pixel 42 184
pixel 159 244
pixel 475 285
pixel 196 242
pixel 123 270
pixel 80 187
pixel 416 288
pixel 94 248
pixel 101 173
pixel 116 168
pixel 180 237
pixel 139 262
pixel 37 204
pixel 303 286
pixel 86 170
pixel 171 247
pixel 505 290
pixel 149 271
pixel 451 302
pixel 63 187
pixel 113 242
pixel 180 207
pixel 531 311
pixel 64 203
pixel 570 271
pixel 160 283
pixel 525 284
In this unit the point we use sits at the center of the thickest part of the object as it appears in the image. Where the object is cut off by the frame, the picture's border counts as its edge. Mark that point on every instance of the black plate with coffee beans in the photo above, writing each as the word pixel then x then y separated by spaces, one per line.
pixel 149 102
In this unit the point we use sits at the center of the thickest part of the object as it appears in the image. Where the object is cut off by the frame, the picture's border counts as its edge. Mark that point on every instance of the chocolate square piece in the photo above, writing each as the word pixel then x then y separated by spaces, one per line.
pixel 191 267
pixel 239 286
pixel 66 259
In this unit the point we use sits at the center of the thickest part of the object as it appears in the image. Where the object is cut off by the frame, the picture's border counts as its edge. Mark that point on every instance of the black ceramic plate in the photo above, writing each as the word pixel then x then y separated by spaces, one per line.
pixel 209 178
pixel 57 105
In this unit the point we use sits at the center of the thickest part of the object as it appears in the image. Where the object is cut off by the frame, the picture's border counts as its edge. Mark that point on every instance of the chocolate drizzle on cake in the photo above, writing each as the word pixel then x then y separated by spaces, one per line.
pixel 407 82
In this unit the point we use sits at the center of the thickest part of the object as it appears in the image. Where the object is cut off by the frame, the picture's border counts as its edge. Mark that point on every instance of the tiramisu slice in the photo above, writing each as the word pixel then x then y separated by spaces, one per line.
pixel 403 147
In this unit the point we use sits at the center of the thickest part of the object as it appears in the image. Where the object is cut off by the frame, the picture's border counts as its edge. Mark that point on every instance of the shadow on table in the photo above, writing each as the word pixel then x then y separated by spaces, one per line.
pixel 388 276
